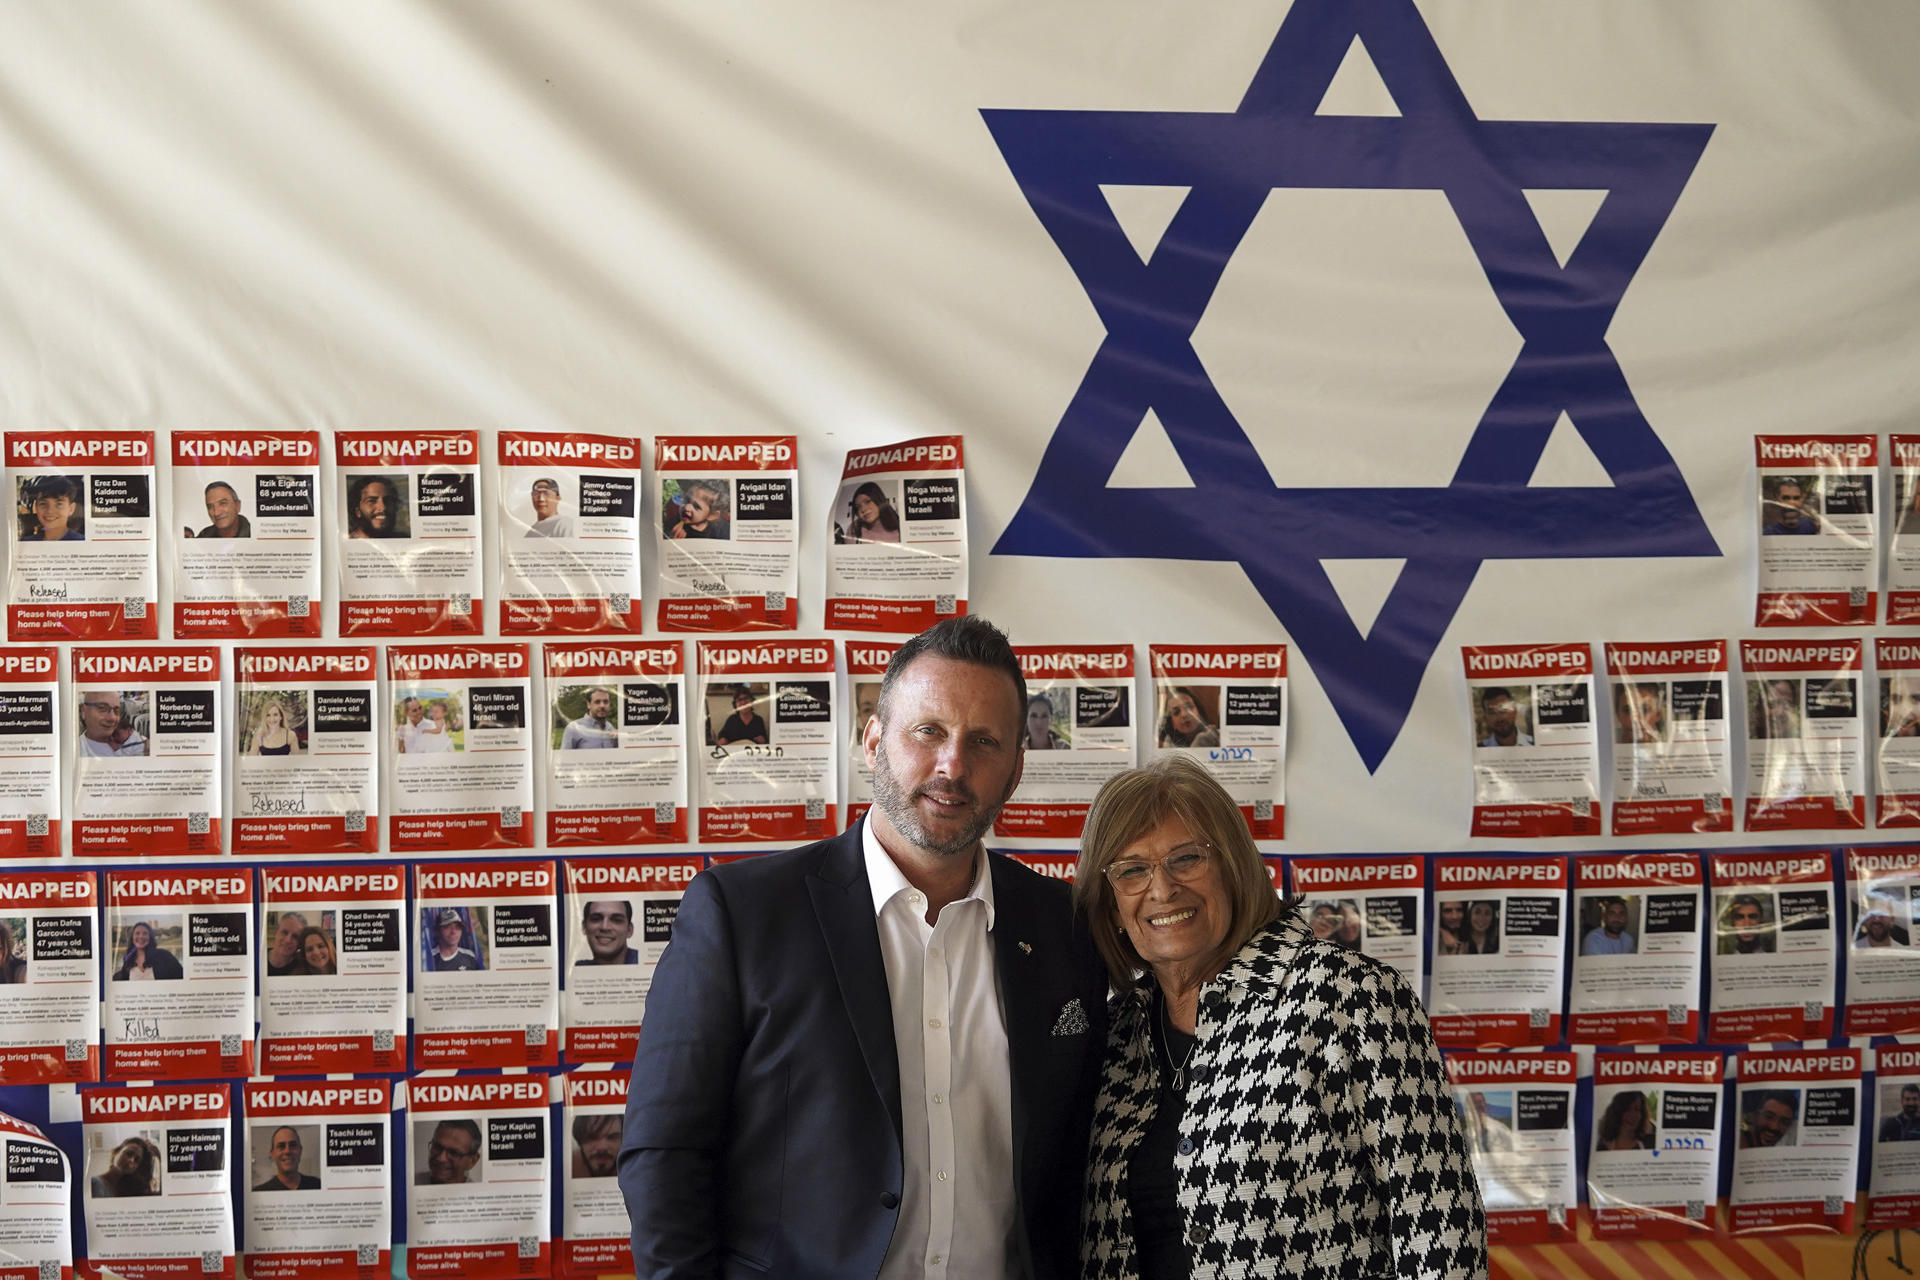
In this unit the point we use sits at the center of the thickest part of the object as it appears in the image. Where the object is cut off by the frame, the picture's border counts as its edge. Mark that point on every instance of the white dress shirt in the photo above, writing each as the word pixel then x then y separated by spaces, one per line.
pixel 957 1206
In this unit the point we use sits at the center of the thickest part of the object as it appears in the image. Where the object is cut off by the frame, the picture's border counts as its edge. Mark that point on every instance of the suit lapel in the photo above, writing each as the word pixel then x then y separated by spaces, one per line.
pixel 1022 993
pixel 844 904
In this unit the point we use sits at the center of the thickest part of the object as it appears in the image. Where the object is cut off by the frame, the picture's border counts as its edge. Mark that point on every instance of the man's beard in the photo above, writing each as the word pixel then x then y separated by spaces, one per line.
pixel 894 801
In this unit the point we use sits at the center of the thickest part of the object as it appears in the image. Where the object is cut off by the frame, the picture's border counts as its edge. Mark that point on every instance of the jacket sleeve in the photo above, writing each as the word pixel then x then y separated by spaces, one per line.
pixel 1416 1153
pixel 680 1099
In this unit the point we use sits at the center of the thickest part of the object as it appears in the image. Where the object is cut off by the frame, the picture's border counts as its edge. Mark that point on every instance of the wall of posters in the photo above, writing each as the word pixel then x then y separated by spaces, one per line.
pixel 1654 1163
pixel 1819 531
pixel 1798 1123
pixel 306 776
pixel 1517 1111
pixel 250 568
pixel 1536 767
pixel 770 764
pixel 897 554
pixel 1670 740
pixel 318 1179
pixel 148 742
pixel 333 970
pixel 615 743
pixel 1805 764
pixel 1637 929
pixel 82 550
pixel 460 771
pixel 569 532
pixel 178 949
pixel 481 1164
pixel 1499 949
pixel 485 965
pixel 1773 948
pixel 156 1164
pixel 729 546
pixel 408 532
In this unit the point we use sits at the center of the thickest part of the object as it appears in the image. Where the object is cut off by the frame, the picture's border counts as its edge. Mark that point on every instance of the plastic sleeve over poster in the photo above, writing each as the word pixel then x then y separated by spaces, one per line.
pixel 770 758
pixel 897 550
pixel 1896 745
pixel 1637 929
pixel 29 745
pixel 1670 740
pixel 597 1231
pixel 1517 1114
pixel 1369 905
pixel 1903 546
pixel 1654 1166
pixel 866 669
pixel 49 977
pixel 1883 967
pixel 1819 557
pixel 1225 707
pixel 616 743
pixel 485 965
pixel 147 752
pixel 306 750
pixel 461 763
pixel 1536 765
pixel 1806 768
pixel 1078 732
pixel 333 970
pixel 250 567
pixel 569 531
pixel 179 961
pixel 156 1203
pixel 408 542
pixel 1893 1187
pixel 318 1180
pixel 1773 965
pixel 36 1238
pixel 620 914
pixel 481 1166
pixel 729 532
pixel 1797 1115
pixel 83 536
pixel 1499 947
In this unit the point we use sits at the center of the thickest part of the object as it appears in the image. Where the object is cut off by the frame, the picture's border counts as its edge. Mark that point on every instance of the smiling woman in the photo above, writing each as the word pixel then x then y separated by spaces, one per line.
pixel 1228 1002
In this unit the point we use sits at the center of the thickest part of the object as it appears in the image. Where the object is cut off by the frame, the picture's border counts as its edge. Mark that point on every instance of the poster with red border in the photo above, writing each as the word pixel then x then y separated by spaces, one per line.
pixel 897 542
pixel 1806 768
pixel 36 1240
pixel 1536 764
pixel 1671 774
pixel 1636 955
pixel 1883 966
pixel 769 764
pixel 1370 905
pixel 483 1216
pixel 82 556
pixel 319 1203
pixel 1893 1180
pixel 1797 1121
pixel 252 569
pixel 50 1000
pixel 616 743
pixel 408 543
pixel 1516 1110
pixel 486 990
pixel 170 1140
pixel 1078 733
pixel 1896 747
pixel 1225 708
pixel 179 961
pixel 866 668
pixel 29 752
pixel 1773 963
pixel 460 768
pixel 1903 543
pixel 1653 1168
pixel 333 969
pixel 1498 952
pixel 1054 866
pixel 1819 529
pixel 569 525
pixel 147 754
pixel 620 914
pixel 596 1233
pixel 306 764
pixel 729 532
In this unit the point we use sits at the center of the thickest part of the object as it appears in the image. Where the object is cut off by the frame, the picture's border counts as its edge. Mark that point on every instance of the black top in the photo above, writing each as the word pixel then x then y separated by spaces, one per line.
pixel 1161 1251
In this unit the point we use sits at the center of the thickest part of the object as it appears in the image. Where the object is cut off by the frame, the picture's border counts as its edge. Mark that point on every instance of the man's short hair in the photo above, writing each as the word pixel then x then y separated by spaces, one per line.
pixel 1610 901
pixel 599 688
pixel 586 1128
pixel 283 1128
pixel 1493 692
pixel 628 906
pixel 221 484
pixel 967 638
pixel 1785 1097
pixel 55 486
pixel 467 1127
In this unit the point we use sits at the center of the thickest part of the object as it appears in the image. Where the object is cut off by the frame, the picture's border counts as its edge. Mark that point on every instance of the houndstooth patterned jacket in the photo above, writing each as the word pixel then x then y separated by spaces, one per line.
pixel 1325 1145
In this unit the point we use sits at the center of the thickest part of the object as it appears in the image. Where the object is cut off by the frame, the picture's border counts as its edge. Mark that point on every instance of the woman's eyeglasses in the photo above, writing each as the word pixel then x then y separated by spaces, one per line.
pixel 1185 863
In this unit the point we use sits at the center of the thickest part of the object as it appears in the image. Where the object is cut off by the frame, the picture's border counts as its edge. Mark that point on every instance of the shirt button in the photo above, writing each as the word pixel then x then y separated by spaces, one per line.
pixel 934 1261
pixel 1196 1234
pixel 934 1023
pixel 915 899
pixel 888 1200
pixel 933 952
pixel 942 1175
pixel 1186 1146
pixel 939 1098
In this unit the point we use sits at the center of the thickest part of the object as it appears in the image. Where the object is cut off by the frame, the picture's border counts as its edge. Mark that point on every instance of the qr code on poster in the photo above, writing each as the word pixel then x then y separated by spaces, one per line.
pixel 1696 1210
pixel 212 1261
pixel 1834 1206
pixel 366 1255
pixel 776 602
pixel 77 1050
pixel 1557 1213
pixel 816 809
pixel 37 824
pixel 1263 811
pixel 536 1033
pixel 1813 1010
pixel 510 816
pixel 663 813
pixel 943 605
pixel 1583 808
pixel 197 823
pixel 356 820
pixel 1676 1015
pixel 1539 1018
pixel 135 607
pixel 620 602
pixel 230 1046
pixel 49 1269
pixel 383 1040
pixel 529 1246
pixel 299 606
pixel 1857 597
pixel 461 602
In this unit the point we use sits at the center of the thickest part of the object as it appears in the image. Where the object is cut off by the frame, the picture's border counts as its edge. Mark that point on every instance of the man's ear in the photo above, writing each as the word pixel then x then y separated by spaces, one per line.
pixel 870 740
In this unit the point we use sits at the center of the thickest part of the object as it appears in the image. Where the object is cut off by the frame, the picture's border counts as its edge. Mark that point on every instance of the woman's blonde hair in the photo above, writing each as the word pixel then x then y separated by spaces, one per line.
pixel 1135 802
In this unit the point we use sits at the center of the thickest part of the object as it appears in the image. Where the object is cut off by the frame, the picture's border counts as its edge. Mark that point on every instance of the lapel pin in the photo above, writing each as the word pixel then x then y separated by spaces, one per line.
pixel 1027 947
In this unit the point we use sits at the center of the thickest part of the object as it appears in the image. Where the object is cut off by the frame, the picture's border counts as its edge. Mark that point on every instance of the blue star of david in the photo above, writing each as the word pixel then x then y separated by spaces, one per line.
pixel 1280 536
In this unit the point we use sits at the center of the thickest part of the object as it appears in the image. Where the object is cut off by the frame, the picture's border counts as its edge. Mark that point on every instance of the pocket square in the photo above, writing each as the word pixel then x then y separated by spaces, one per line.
pixel 1072 1020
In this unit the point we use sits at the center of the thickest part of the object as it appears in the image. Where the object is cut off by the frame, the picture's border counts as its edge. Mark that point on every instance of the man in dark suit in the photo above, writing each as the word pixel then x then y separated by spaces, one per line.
pixel 875 1056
